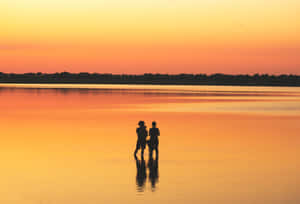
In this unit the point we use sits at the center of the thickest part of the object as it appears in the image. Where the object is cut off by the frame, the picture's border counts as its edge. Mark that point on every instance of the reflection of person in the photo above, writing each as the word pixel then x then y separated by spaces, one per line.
pixel 153 171
pixel 153 142
pixel 142 134
pixel 141 174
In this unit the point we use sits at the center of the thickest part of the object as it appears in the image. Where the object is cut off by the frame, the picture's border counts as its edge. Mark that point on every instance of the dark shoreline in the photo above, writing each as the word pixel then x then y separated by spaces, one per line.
pixel 162 84
pixel 153 79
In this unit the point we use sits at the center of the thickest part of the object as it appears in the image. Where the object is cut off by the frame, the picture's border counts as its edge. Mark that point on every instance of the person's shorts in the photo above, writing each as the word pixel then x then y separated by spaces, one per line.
pixel 152 144
pixel 140 145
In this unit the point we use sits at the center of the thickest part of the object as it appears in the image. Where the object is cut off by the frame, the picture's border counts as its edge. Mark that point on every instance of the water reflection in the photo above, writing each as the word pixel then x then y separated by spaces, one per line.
pixel 192 91
pixel 141 173
pixel 153 172
pixel 87 141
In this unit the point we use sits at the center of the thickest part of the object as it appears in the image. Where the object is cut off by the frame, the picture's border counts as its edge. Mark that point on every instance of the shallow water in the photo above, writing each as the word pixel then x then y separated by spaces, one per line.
pixel 73 144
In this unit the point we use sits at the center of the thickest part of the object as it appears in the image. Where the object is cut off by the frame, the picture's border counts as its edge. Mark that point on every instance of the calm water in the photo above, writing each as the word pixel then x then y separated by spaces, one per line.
pixel 73 144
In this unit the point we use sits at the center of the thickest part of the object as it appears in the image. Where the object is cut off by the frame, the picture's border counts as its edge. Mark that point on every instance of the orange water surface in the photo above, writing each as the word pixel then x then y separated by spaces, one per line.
pixel 73 144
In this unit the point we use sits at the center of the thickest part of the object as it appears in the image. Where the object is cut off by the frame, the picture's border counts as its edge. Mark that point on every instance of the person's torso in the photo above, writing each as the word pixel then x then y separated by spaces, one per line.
pixel 142 133
pixel 154 134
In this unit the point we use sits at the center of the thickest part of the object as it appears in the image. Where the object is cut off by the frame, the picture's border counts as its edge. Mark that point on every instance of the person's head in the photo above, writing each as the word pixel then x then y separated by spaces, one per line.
pixel 154 124
pixel 141 123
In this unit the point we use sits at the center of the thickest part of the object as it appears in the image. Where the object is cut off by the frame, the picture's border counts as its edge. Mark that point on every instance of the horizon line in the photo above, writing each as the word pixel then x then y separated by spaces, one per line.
pixel 156 73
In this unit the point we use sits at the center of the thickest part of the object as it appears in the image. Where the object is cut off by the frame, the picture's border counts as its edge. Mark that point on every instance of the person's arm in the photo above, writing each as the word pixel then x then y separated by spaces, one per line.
pixel 146 134
pixel 158 133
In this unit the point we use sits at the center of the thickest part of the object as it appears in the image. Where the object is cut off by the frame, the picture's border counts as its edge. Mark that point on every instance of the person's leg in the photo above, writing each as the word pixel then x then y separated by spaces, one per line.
pixel 150 152
pixel 142 152
pixel 143 146
pixel 136 148
pixel 156 151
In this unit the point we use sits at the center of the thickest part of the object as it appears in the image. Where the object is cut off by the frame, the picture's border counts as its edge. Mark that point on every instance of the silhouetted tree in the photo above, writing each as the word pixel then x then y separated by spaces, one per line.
pixel 149 78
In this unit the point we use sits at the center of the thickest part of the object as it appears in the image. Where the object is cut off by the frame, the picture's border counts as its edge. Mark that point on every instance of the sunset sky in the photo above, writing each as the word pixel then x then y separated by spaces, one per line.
pixel 138 36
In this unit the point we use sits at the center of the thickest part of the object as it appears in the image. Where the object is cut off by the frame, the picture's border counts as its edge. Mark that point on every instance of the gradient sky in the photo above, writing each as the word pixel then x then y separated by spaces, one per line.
pixel 135 36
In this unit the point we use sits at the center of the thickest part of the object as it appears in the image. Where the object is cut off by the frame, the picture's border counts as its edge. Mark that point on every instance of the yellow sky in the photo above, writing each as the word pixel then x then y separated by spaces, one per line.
pixel 133 36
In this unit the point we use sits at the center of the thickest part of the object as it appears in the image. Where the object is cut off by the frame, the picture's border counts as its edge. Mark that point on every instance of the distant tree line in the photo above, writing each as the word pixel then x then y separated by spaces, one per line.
pixel 163 79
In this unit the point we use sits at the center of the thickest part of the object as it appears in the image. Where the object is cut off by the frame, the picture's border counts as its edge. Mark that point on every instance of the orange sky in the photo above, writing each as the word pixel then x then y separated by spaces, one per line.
pixel 163 36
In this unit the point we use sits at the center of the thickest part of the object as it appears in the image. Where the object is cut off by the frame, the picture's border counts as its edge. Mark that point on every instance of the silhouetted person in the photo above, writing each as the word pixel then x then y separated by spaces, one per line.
pixel 142 134
pixel 141 174
pixel 153 142
pixel 153 171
